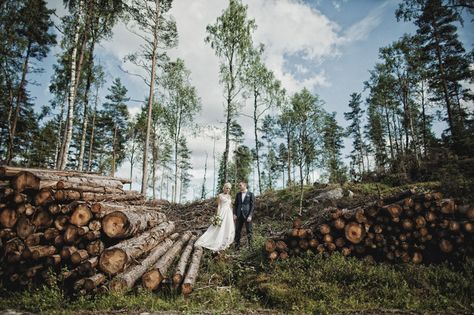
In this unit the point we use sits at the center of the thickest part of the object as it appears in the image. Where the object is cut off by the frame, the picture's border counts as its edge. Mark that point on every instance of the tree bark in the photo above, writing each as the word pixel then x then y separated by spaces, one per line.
pixel 153 278
pixel 193 271
pixel 19 97
pixel 128 278
pixel 183 262
pixel 150 100
pixel 63 157
pixel 114 259
pixel 122 224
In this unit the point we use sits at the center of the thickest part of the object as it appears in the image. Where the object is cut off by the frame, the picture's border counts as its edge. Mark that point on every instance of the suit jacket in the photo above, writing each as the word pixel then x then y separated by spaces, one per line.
pixel 246 207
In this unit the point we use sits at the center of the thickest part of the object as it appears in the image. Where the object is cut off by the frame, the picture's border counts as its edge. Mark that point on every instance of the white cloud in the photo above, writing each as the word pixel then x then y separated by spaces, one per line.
pixel 361 29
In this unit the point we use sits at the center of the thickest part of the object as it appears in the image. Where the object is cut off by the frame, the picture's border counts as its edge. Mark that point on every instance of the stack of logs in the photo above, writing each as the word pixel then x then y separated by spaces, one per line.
pixel 87 233
pixel 405 228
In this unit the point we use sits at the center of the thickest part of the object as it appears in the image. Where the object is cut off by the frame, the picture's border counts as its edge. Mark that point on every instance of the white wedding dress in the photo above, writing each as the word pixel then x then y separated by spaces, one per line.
pixel 218 238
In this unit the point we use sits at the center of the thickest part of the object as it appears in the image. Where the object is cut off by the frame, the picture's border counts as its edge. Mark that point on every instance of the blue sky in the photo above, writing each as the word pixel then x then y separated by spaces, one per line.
pixel 327 46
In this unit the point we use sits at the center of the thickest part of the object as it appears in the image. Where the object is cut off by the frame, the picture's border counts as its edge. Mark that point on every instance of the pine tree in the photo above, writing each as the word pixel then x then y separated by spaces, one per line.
pixel 25 36
pixel 115 115
pixel 181 105
pixel 231 39
pixel 333 144
pixel 355 130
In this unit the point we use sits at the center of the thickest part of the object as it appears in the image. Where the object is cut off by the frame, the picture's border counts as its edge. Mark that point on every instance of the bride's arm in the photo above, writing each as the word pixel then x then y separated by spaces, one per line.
pixel 218 204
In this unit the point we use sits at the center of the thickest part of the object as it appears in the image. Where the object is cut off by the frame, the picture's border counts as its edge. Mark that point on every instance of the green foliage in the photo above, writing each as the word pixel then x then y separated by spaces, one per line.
pixel 333 144
pixel 231 39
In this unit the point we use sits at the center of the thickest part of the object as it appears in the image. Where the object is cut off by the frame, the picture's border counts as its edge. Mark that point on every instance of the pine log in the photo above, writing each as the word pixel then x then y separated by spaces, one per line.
pixel 81 215
pixel 60 223
pixel 95 248
pixel 94 281
pixel 95 225
pixel 50 234
pixel 129 277
pixel 42 219
pixel 79 256
pixel 122 224
pixel 354 232
pixel 270 245
pixel 34 239
pixel 23 180
pixel 41 251
pixel 8 218
pixel 24 228
pixel 183 262
pixel 95 180
pixel 114 259
pixel 192 273
pixel 43 197
pixel 153 278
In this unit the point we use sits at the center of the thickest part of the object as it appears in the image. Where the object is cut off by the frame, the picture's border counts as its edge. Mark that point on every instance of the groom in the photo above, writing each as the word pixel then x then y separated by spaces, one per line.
pixel 244 206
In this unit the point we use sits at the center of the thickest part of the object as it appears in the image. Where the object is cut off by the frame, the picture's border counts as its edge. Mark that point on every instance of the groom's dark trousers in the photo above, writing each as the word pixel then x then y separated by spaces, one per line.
pixel 244 209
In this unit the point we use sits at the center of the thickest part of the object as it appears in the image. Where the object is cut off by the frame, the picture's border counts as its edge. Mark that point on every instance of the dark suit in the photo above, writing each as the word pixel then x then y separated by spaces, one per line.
pixel 243 210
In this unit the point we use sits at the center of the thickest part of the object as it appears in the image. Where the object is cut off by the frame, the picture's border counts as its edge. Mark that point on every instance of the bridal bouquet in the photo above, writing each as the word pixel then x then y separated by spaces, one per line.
pixel 216 220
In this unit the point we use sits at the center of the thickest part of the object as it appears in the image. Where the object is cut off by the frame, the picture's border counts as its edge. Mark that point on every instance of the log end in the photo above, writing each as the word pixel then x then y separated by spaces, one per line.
pixel 115 224
pixel 152 279
pixel 118 285
pixel 186 288
pixel 112 261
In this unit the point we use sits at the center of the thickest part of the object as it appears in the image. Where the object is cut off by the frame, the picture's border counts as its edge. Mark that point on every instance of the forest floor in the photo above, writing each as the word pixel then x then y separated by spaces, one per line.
pixel 244 282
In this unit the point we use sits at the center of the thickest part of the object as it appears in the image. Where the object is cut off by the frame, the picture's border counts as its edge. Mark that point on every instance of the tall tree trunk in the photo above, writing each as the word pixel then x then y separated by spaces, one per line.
pixel 255 126
pixel 86 102
pixel 175 169
pixel 423 113
pixel 63 156
pixel 389 132
pixel 19 99
pixel 452 128
pixel 150 100
pixel 91 144
pixel 288 143
pixel 114 141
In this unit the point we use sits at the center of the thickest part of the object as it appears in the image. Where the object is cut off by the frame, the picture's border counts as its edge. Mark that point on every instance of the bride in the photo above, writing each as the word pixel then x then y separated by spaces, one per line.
pixel 218 238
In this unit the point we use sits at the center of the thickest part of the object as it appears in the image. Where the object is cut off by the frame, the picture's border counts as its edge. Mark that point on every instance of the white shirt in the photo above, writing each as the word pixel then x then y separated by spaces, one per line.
pixel 244 193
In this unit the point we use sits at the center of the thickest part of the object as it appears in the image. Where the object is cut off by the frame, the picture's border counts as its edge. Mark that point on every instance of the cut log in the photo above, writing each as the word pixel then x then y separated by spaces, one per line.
pixel 129 277
pixel 153 278
pixel 95 225
pixel 114 259
pixel 122 224
pixel 81 215
pixel 79 256
pixel 41 251
pixel 44 197
pixel 8 218
pixel 42 219
pixel 183 262
pixel 50 234
pixel 24 228
pixel 60 222
pixel 95 248
pixel 23 180
pixel 354 232
pixel 94 281
pixel 270 245
pixel 193 271
pixel 34 239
